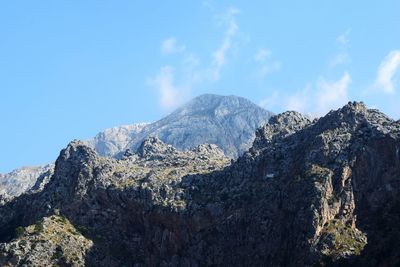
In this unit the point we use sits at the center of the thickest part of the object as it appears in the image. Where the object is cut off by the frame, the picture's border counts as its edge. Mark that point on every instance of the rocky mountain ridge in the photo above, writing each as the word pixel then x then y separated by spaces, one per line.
pixel 21 180
pixel 227 121
pixel 308 193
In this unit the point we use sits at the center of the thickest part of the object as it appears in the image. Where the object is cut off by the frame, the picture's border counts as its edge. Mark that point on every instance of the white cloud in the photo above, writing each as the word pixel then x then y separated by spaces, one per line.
pixel 220 54
pixel 175 84
pixel 386 77
pixel 170 94
pixel 266 66
pixel 339 59
pixel 343 39
pixel 332 94
pixel 170 46
pixel 315 99
pixel 299 101
pixel 342 56
pixel 271 101
pixel 262 55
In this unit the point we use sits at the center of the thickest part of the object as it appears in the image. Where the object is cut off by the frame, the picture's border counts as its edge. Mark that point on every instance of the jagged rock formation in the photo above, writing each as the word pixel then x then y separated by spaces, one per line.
pixel 21 180
pixel 226 121
pixel 308 193
pixel 52 241
pixel 114 140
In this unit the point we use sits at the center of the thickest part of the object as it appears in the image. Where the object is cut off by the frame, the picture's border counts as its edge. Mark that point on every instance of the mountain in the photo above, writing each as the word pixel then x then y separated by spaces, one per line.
pixel 226 121
pixel 20 180
pixel 308 193
pixel 114 140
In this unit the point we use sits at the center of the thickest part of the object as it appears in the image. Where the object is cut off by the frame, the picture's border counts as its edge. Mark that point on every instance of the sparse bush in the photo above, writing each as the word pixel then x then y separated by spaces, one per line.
pixel 39 226
pixel 19 231
pixel 81 229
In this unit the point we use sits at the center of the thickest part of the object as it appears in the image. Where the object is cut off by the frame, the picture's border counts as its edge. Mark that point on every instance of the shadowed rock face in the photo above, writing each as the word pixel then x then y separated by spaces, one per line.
pixel 307 193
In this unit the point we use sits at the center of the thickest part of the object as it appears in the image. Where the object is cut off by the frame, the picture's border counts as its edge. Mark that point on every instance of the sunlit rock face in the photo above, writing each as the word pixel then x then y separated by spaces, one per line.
pixel 226 121
pixel 308 193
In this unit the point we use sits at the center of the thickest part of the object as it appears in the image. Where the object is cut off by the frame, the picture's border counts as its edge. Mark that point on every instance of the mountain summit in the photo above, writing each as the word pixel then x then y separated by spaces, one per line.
pixel 308 193
pixel 226 121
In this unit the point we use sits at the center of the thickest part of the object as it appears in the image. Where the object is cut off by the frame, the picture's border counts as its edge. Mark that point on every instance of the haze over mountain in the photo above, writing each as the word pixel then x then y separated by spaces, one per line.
pixel 308 193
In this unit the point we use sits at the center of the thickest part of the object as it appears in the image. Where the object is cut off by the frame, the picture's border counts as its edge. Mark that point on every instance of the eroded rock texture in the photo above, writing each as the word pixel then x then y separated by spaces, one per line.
pixel 309 193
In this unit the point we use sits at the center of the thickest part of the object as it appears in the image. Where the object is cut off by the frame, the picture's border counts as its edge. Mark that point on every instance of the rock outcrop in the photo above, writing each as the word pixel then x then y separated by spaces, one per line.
pixel 21 180
pixel 114 140
pixel 309 193
pixel 226 121
pixel 51 241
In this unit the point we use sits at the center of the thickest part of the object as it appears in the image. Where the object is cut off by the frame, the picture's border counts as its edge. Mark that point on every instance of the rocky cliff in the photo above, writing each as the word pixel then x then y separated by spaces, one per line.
pixel 21 180
pixel 308 193
pixel 114 140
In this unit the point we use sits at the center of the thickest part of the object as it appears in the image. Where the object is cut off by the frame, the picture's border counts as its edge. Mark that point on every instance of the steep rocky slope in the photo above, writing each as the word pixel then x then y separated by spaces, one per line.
pixel 20 180
pixel 114 140
pixel 323 192
pixel 227 121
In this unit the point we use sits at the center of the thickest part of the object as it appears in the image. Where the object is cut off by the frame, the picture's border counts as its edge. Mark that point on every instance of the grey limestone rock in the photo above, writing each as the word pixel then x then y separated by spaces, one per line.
pixel 21 180
pixel 315 193
pixel 226 121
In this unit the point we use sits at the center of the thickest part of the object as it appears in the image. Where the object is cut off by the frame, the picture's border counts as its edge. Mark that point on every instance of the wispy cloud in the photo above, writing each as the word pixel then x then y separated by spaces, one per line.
pixel 332 94
pixel 315 99
pixel 271 101
pixel 170 46
pixel 387 73
pixel 262 54
pixel 175 84
pixel 171 95
pixel 339 59
pixel 220 54
pixel 343 39
pixel 265 65
pixel 342 56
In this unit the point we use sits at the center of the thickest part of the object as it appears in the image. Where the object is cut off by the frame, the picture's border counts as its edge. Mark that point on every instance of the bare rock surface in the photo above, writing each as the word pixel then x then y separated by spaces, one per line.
pixel 21 180
pixel 309 193
pixel 113 140
pixel 226 121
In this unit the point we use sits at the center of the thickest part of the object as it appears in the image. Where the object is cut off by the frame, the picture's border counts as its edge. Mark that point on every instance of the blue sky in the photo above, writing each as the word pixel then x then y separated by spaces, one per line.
pixel 69 69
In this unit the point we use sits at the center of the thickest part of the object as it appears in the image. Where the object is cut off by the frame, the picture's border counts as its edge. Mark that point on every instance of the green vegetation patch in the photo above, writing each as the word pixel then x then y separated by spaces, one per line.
pixel 343 240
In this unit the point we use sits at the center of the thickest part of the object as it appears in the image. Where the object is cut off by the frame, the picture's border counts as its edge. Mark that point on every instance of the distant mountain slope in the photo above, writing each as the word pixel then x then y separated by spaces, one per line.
pixel 115 139
pixel 20 180
pixel 308 193
pixel 227 121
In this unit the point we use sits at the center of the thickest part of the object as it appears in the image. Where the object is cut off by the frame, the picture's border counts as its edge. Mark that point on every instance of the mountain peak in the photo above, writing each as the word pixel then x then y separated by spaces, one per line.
pixel 226 121
pixel 212 102
pixel 355 106
pixel 355 115
pixel 77 150
pixel 153 146
pixel 279 126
